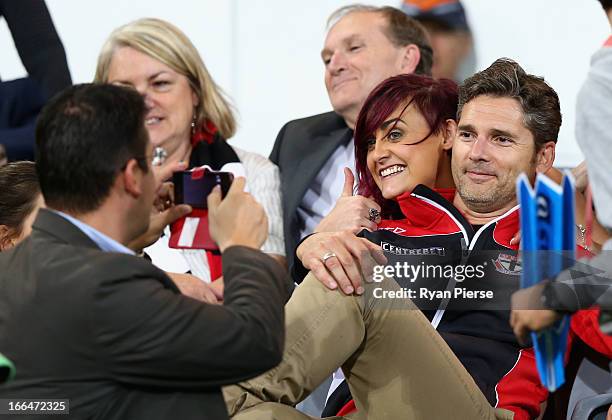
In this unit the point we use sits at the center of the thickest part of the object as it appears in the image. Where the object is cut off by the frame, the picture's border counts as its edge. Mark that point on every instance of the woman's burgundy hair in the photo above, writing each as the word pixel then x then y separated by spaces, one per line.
pixel 436 100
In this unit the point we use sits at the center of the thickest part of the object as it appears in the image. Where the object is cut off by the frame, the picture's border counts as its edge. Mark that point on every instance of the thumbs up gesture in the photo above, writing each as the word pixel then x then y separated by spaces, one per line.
pixel 351 212
pixel 334 254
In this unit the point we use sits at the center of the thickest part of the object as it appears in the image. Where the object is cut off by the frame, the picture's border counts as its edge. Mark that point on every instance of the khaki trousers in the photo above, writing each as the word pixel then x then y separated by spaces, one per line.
pixel 396 365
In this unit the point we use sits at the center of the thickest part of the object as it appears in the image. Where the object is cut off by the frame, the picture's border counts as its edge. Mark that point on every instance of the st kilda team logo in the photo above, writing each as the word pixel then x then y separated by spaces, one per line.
pixel 508 264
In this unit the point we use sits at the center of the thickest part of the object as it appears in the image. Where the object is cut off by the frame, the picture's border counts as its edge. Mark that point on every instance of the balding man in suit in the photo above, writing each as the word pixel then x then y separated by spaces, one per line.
pixel 364 46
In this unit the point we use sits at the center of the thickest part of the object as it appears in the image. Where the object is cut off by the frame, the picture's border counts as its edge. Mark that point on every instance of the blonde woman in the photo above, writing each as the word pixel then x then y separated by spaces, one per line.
pixel 190 118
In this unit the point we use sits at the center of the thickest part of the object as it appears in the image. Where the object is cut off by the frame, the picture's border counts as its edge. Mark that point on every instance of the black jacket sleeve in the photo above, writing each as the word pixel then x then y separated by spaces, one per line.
pixel 38 44
pixel 149 335
pixel 586 283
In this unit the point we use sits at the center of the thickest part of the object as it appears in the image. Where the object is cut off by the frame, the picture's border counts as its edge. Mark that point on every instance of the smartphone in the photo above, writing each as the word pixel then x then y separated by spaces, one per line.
pixel 192 187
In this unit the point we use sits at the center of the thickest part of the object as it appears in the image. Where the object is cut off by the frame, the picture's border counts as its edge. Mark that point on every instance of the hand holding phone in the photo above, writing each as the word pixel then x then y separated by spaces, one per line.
pixel 238 219
pixel 192 187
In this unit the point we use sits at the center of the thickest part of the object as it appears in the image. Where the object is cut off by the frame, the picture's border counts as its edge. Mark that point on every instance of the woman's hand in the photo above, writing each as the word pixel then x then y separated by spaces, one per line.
pixel 218 288
pixel 529 314
pixel 351 212
pixel 163 211
pixel 195 288
pixel 340 258
pixel 524 321
pixel 581 177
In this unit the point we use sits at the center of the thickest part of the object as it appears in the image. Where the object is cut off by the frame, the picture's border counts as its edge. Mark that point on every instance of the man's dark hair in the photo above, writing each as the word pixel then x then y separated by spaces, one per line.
pixel 401 30
pixel 506 79
pixel 606 4
pixel 84 137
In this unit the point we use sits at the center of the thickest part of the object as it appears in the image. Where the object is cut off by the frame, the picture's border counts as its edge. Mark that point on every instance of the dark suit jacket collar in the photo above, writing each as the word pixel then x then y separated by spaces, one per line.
pixel 55 225
pixel 322 147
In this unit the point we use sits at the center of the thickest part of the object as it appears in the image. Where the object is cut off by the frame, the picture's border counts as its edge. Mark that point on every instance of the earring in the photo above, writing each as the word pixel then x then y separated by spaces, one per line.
pixel 193 124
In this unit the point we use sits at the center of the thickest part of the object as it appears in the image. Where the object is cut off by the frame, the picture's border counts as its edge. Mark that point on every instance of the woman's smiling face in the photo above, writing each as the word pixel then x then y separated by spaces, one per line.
pixel 402 154
pixel 169 98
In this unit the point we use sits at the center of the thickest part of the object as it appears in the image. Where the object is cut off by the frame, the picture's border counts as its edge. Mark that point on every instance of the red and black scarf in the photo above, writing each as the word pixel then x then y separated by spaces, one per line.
pixel 210 148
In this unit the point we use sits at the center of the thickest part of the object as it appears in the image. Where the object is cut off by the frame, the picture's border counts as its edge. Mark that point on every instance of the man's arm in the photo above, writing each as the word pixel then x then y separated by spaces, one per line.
pixel 585 284
pixel 149 335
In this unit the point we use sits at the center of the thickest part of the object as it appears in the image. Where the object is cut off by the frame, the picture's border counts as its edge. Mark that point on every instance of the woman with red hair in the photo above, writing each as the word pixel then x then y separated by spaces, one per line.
pixel 402 139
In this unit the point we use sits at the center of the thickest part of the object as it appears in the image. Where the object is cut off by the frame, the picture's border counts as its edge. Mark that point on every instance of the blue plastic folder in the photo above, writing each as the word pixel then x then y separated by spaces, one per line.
pixel 548 245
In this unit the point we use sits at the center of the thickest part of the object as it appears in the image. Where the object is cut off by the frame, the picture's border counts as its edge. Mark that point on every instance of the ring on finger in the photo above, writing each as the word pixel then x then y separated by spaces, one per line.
pixel 327 256
pixel 373 214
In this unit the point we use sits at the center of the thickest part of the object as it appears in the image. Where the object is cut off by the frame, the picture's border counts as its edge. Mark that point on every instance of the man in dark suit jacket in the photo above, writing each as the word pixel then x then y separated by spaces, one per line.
pixel 364 46
pixel 86 320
